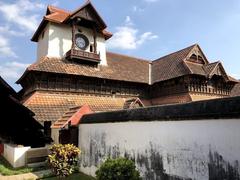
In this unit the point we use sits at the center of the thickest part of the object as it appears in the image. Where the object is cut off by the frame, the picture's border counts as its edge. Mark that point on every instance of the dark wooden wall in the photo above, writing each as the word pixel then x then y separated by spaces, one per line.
pixel 80 84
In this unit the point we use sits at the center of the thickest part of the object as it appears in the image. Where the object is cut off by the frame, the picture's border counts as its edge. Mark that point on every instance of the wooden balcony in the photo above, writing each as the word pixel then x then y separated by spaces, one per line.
pixel 82 55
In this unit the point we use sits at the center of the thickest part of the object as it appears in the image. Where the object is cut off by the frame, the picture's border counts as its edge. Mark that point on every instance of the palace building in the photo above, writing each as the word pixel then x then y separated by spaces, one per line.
pixel 74 69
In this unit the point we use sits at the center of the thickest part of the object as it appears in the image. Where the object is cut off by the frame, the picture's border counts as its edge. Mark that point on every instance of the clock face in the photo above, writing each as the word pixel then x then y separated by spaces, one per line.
pixel 81 41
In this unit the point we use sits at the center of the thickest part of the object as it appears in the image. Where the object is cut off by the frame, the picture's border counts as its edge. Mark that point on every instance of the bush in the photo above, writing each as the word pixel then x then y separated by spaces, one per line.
pixel 63 159
pixel 118 169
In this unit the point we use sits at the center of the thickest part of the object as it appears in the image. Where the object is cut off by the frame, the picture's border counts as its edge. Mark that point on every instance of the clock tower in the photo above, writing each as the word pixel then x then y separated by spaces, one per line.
pixel 76 36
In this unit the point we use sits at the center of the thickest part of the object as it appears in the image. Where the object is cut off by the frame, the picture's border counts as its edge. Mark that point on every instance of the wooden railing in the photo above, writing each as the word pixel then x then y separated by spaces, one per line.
pixel 82 55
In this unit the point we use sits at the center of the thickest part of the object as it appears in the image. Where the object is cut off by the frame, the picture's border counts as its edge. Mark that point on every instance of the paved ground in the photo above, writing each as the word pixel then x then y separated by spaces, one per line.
pixel 27 176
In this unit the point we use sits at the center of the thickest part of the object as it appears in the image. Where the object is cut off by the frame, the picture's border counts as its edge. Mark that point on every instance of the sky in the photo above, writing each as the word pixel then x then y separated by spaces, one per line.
pixel 147 29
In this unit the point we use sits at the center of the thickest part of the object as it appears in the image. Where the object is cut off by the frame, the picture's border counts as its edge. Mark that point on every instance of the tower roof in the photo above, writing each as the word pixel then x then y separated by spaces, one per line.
pixel 61 16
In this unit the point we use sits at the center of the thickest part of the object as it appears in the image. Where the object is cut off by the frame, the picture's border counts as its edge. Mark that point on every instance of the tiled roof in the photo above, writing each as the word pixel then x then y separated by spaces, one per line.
pixel 131 69
pixel 170 66
pixel 119 67
pixel 236 90
pixel 133 103
pixel 72 116
pixel 60 16
pixel 55 14
pixel 51 106
pixel 177 64
pixel 209 67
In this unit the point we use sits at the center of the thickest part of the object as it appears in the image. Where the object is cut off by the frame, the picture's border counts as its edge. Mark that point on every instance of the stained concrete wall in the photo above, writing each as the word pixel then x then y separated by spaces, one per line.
pixel 200 150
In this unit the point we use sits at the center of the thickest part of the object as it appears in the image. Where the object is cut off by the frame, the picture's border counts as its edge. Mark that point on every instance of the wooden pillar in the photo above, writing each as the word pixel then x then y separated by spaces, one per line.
pixel 95 39
pixel 73 35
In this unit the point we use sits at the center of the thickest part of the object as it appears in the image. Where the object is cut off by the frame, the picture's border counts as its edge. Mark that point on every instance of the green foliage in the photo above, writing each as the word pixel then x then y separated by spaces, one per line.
pixel 118 169
pixel 63 159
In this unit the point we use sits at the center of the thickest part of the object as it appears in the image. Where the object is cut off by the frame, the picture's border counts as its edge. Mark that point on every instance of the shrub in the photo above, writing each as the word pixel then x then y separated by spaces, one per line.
pixel 63 159
pixel 118 169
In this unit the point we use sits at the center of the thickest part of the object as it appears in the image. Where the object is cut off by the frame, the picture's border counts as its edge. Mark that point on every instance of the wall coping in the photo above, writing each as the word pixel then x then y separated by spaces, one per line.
pixel 224 108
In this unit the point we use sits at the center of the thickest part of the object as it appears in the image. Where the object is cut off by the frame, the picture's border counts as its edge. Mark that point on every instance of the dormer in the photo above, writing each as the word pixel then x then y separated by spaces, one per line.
pixel 197 56
pixel 77 36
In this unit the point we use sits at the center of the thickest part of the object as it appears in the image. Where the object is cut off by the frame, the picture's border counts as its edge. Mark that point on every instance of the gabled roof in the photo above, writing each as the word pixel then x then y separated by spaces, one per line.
pixel 72 117
pixel 218 69
pixel 179 64
pixel 89 9
pixel 133 103
pixel 61 16
pixel 171 66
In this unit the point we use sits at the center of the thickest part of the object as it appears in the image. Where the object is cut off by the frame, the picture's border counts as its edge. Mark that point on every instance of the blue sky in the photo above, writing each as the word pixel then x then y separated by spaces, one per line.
pixel 143 28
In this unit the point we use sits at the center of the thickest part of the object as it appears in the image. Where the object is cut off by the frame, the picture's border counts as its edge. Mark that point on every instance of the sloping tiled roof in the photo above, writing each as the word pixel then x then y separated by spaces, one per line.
pixel 170 66
pixel 120 67
pixel 133 103
pixel 195 68
pixel 55 14
pixel 236 90
pixel 51 106
pixel 72 116
pixel 60 16
pixel 131 69
pixel 209 67
pixel 177 64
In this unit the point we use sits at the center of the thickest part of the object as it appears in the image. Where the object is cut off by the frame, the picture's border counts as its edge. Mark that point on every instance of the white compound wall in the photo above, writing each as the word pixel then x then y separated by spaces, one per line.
pixel 192 149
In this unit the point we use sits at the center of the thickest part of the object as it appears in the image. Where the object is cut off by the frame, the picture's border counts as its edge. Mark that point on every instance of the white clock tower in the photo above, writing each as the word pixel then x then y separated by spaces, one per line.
pixel 76 36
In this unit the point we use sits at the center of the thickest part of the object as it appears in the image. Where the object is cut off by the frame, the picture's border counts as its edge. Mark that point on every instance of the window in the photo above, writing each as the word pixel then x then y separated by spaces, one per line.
pixel 197 59
pixel 194 56
pixel 91 48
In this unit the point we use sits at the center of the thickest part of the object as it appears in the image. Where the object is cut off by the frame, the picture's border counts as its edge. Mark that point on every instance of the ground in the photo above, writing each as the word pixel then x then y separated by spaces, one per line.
pixel 7 170
pixel 75 176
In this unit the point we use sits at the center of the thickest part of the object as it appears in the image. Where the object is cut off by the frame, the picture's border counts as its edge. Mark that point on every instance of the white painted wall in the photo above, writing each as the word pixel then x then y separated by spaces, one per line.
pixel 42 46
pixel 58 40
pixel 55 135
pixel 15 155
pixel 182 148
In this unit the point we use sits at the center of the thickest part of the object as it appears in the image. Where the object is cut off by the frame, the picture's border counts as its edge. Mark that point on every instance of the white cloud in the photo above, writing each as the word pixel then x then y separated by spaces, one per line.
pixel 12 70
pixel 127 37
pixel 19 18
pixel 6 30
pixel 21 13
pixel 5 48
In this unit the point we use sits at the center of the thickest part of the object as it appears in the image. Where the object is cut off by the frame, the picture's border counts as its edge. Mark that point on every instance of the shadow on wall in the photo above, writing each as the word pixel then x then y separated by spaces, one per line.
pixel 60 38
pixel 219 169
pixel 150 161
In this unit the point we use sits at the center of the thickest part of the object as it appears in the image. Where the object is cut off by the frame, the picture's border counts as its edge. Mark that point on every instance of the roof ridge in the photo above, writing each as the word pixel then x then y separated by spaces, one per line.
pixel 216 62
pixel 124 55
pixel 58 9
pixel 82 6
pixel 189 47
